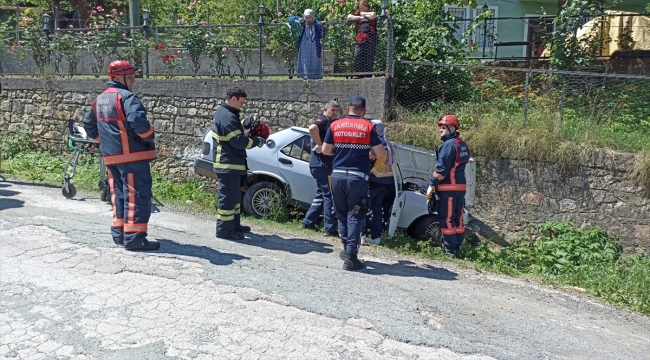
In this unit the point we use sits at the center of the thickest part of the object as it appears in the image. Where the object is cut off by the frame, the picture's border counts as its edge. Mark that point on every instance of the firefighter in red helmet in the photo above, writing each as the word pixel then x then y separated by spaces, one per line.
pixel 118 120
pixel 449 183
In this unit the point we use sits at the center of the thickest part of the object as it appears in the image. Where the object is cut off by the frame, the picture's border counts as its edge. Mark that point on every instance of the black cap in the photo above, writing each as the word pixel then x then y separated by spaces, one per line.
pixel 357 101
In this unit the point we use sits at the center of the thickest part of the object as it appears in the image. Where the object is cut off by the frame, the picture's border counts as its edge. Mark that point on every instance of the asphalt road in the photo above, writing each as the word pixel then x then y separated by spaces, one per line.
pixel 67 292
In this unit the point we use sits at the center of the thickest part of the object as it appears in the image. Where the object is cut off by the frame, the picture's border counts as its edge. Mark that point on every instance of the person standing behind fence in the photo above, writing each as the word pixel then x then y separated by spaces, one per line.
pixel 310 61
pixel 366 38
pixel 320 166
pixel 350 139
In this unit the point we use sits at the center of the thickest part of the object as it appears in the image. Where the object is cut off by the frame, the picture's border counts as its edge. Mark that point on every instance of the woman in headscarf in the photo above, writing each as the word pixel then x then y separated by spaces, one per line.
pixel 310 62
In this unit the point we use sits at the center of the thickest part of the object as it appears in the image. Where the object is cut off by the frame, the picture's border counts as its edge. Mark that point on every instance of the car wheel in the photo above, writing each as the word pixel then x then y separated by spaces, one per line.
pixel 258 198
pixel 426 228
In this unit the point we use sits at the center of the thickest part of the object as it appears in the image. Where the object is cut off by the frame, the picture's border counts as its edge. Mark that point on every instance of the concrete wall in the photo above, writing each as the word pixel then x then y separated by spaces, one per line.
pixel 272 65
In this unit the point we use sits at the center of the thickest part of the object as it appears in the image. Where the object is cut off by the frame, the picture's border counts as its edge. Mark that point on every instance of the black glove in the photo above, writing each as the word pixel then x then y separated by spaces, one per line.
pixel 434 182
pixel 248 123
pixel 260 141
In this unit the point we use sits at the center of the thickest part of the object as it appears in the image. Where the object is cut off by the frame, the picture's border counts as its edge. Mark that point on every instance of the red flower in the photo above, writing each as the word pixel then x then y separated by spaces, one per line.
pixel 160 47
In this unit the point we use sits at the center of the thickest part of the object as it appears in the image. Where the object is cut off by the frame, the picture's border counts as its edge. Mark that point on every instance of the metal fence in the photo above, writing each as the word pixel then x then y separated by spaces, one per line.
pixel 524 94
pixel 518 38
pixel 234 50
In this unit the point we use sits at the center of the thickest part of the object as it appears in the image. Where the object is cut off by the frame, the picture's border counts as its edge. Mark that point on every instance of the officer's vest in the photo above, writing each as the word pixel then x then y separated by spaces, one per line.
pixel 382 171
pixel 351 136
pixel 119 143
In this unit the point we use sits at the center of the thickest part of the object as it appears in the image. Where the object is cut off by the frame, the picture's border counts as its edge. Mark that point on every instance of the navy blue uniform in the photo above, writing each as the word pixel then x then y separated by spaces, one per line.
pixel 381 181
pixel 118 120
pixel 230 165
pixel 320 166
pixel 451 158
pixel 352 137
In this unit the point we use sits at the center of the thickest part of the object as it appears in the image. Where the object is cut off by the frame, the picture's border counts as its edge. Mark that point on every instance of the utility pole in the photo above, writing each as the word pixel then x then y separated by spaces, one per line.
pixel 134 13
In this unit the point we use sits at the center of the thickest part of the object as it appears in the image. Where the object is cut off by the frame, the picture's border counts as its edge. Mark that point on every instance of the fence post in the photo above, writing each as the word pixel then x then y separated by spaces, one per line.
pixel 260 23
pixel 526 90
pixel 389 88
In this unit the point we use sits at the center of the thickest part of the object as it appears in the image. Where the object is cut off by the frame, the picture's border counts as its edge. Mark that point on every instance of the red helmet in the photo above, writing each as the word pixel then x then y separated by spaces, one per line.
pixel 449 120
pixel 262 130
pixel 121 67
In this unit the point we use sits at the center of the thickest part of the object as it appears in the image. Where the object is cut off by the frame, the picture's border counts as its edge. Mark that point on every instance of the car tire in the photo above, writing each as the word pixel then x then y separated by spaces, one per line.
pixel 426 228
pixel 257 198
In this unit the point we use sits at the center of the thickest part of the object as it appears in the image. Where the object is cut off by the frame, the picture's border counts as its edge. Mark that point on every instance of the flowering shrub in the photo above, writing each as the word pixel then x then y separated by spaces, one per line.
pixel 170 59
pixel 195 41
pixel 65 45
pixel 32 42
pixel 217 52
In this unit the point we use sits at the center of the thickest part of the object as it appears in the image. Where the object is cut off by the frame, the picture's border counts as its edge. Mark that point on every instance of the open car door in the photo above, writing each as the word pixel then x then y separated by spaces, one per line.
pixel 398 204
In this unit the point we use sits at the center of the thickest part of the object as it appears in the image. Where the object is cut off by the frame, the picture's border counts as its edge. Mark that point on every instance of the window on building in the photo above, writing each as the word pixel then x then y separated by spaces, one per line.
pixel 462 18
pixel 487 31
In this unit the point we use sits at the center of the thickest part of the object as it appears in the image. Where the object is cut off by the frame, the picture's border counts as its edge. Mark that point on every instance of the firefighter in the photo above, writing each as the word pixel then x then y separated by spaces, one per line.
pixel 118 120
pixel 449 183
pixel 351 139
pixel 230 163
pixel 320 166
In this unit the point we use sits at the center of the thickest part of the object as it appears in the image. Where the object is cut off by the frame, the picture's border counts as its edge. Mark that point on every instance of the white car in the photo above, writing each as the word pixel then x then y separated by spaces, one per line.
pixel 282 165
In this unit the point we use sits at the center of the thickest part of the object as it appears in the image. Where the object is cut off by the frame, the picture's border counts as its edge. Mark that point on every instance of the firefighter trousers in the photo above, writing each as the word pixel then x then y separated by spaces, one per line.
pixel 130 187
pixel 349 190
pixel 450 214
pixel 322 203
pixel 229 200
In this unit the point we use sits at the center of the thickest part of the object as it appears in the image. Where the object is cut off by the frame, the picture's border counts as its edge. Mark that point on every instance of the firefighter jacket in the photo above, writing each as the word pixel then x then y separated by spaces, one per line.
pixel 451 158
pixel 118 120
pixel 230 141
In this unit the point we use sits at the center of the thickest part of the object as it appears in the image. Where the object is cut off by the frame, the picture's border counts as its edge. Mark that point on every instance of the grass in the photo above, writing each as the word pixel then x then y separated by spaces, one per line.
pixel 542 138
pixel 620 280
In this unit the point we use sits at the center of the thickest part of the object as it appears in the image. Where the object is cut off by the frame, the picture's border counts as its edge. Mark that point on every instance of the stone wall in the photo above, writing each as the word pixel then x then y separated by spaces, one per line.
pixel 512 195
pixel 180 110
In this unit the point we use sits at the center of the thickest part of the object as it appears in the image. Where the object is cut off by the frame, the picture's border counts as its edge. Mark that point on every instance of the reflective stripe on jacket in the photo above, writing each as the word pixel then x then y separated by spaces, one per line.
pixel 230 141
pixel 118 120
pixel 451 158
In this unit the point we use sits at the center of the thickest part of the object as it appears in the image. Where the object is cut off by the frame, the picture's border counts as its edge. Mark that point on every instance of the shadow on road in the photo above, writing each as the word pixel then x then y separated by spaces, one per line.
pixel 5 194
pixel 34 184
pixel 213 256
pixel 294 246
pixel 407 268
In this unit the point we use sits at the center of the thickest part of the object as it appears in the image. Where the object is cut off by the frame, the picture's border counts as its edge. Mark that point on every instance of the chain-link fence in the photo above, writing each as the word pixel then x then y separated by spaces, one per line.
pixel 293 49
pixel 569 101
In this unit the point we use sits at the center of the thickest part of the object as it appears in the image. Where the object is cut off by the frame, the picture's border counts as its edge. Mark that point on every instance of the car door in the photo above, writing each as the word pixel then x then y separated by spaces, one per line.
pixel 398 204
pixel 293 161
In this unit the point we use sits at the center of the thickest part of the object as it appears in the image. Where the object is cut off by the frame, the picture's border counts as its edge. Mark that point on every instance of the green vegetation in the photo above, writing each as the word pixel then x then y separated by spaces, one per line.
pixel 560 255
pixel 596 113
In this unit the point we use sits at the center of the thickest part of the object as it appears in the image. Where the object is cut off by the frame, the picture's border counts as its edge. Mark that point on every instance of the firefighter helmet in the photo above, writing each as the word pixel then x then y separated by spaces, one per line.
pixel 121 67
pixel 449 120
pixel 262 130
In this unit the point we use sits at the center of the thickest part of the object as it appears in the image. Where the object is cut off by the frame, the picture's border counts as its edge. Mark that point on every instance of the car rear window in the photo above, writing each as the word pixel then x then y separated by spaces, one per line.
pixel 299 149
